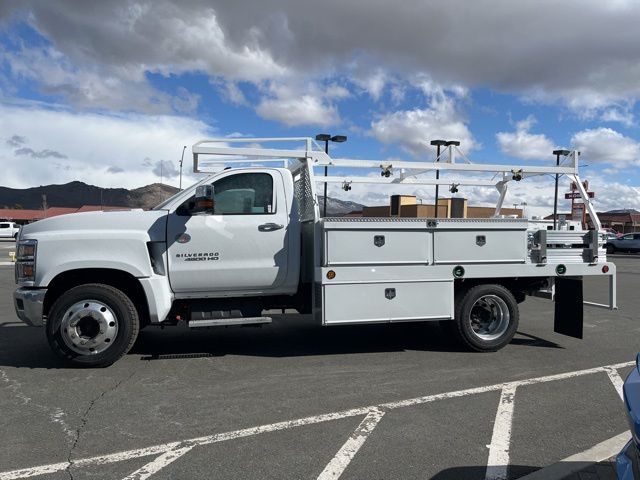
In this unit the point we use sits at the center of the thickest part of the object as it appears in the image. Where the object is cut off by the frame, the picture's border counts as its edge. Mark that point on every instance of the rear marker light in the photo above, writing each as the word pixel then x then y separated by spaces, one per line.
pixel 561 269
pixel 605 269
pixel 331 274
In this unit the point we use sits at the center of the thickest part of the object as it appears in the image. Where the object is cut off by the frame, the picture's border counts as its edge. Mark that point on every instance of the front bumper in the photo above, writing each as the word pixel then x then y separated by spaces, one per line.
pixel 28 303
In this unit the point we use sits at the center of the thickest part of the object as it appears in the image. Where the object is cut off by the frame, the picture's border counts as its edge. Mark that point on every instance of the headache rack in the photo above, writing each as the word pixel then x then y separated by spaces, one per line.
pixel 213 155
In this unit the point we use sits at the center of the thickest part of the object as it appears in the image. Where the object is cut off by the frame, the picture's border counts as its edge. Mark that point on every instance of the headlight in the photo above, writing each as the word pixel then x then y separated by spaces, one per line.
pixel 26 262
pixel 27 250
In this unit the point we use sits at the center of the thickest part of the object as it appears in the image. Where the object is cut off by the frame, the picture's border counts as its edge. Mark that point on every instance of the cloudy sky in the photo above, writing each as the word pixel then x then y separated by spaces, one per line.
pixel 108 92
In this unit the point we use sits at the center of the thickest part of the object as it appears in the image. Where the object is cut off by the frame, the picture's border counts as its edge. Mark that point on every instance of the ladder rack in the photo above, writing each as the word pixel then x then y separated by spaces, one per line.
pixel 224 151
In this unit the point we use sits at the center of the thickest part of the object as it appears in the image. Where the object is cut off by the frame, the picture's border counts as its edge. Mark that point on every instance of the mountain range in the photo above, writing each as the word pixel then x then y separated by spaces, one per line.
pixel 76 194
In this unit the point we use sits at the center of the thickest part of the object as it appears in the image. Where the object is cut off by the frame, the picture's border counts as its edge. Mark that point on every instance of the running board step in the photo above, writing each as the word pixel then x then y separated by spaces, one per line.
pixel 218 322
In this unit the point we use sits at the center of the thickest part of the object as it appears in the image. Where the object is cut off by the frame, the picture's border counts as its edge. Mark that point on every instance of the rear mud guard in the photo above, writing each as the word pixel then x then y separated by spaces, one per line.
pixel 568 319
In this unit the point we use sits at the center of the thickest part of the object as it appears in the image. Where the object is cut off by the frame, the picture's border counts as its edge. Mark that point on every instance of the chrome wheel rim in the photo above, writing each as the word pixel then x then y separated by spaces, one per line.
pixel 89 327
pixel 490 317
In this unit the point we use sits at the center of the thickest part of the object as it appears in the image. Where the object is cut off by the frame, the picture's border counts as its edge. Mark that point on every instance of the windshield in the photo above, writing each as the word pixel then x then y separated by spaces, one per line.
pixel 162 205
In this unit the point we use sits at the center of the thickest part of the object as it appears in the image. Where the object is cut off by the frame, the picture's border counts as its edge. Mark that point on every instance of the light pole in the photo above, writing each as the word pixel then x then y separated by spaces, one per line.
pixel 181 160
pixel 326 138
pixel 438 144
pixel 557 153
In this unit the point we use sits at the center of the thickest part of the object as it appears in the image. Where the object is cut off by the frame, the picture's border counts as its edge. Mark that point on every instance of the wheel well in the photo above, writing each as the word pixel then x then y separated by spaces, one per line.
pixel 519 287
pixel 116 278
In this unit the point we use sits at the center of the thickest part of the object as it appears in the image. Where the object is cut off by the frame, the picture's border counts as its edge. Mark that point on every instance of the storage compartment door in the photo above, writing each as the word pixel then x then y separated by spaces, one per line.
pixel 480 246
pixel 381 247
pixel 387 302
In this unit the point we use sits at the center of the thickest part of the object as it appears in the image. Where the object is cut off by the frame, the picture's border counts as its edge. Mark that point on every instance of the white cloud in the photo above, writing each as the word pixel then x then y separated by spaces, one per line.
pixel 595 65
pixel 87 87
pixel 413 129
pixel 373 82
pixel 524 144
pixel 604 145
pixel 299 105
pixel 620 115
pixel 104 150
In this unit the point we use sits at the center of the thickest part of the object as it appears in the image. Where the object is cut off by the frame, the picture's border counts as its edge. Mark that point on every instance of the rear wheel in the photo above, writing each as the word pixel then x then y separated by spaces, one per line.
pixel 486 317
pixel 92 325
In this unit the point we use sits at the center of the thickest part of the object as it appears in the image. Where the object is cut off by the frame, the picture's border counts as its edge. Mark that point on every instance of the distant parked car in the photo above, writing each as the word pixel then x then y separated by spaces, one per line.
pixel 612 232
pixel 627 459
pixel 9 230
pixel 627 243
pixel 610 236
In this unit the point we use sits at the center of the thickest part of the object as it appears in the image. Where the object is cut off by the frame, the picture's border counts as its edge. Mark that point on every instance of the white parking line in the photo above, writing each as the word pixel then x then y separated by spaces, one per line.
pixel 341 461
pixel 158 463
pixel 247 432
pixel 617 381
pixel 498 462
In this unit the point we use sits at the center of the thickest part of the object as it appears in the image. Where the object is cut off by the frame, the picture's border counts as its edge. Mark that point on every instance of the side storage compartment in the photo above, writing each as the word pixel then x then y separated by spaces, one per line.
pixel 480 241
pixel 406 242
pixel 387 302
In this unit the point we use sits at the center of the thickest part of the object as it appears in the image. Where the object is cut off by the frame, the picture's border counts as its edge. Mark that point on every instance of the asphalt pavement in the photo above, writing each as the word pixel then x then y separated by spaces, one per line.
pixel 296 400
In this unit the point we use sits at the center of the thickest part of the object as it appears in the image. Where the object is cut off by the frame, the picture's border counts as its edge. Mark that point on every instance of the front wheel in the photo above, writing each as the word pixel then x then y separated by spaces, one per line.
pixel 611 249
pixel 486 317
pixel 92 325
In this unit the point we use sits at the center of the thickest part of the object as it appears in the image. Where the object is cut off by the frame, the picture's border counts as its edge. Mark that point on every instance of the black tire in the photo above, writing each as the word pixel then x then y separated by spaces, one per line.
pixel 118 305
pixel 15 236
pixel 472 308
pixel 611 249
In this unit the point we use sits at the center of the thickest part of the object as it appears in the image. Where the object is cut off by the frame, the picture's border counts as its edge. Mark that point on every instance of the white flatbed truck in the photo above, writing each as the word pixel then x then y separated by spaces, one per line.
pixel 248 239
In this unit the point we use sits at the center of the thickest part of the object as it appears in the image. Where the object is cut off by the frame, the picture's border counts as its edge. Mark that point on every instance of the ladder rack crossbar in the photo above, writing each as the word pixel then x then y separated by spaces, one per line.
pixel 405 181
pixel 319 158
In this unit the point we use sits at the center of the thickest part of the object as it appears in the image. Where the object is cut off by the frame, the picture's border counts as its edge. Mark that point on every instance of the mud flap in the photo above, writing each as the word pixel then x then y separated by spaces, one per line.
pixel 568 319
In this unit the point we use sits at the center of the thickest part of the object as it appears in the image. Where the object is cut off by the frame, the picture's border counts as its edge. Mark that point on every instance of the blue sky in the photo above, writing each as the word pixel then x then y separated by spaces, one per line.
pixel 107 92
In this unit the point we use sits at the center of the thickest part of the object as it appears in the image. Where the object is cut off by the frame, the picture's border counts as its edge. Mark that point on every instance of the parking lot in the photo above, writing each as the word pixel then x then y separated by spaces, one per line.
pixel 296 400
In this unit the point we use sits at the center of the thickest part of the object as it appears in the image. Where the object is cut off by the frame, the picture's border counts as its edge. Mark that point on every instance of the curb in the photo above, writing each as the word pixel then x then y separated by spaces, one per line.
pixel 580 461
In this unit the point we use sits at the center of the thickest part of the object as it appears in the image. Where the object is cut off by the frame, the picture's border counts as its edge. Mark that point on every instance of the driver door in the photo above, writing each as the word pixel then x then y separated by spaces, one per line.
pixel 240 246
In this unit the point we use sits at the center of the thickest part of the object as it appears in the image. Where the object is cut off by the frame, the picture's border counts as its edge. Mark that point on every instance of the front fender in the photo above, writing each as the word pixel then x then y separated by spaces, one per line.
pixel 60 253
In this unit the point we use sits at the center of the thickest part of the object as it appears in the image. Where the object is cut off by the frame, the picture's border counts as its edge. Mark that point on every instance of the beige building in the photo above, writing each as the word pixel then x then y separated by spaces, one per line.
pixel 407 206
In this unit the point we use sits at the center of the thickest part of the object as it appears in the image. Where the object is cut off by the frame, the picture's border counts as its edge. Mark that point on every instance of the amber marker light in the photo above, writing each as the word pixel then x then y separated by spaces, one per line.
pixel 331 274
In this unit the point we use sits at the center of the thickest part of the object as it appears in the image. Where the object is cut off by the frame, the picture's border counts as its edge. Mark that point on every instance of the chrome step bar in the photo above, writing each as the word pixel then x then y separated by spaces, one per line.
pixel 218 322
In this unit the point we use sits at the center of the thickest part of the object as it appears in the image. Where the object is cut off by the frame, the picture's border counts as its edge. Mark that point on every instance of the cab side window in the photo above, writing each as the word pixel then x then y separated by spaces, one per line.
pixel 244 194
pixel 240 194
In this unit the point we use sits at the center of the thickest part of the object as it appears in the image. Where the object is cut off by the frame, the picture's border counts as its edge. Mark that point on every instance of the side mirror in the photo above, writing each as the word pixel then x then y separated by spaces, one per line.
pixel 204 201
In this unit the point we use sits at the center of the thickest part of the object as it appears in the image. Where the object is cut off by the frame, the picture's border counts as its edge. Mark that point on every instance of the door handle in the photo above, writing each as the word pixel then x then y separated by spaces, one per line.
pixel 270 227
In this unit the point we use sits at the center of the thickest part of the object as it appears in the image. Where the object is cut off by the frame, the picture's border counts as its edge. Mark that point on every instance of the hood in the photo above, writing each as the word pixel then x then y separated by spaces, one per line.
pixel 152 222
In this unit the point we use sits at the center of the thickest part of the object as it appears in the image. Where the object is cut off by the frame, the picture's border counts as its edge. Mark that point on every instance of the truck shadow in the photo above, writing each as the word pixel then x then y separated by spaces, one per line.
pixel 22 346
pixel 295 338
